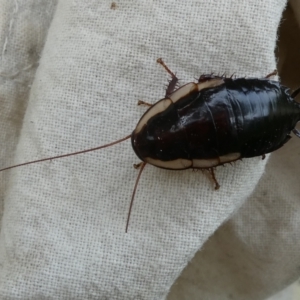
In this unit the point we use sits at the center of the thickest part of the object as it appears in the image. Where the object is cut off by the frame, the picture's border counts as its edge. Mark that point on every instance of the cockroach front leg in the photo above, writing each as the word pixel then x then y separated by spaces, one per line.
pixel 141 102
pixel 174 80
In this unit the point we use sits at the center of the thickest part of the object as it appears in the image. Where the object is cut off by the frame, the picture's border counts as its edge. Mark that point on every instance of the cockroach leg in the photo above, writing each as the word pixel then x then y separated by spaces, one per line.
pixel 263 156
pixel 296 132
pixel 137 166
pixel 141 102
pixel 272 74
pixel 212 173
pixel 142 165
pixel 161 62
pixel 295 92
pixel 174 80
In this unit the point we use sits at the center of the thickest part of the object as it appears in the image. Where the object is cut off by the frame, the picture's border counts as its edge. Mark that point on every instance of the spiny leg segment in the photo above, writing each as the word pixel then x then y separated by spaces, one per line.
pixel 174 80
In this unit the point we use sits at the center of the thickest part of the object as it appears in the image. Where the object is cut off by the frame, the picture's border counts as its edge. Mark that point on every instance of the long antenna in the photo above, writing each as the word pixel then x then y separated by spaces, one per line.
pixel 66 155
pixel 143 164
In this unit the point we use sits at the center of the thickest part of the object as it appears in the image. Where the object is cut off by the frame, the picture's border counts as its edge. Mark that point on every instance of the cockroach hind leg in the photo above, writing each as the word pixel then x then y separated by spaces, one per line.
pixel 212 173
pixel 272 74
pixel 141 102
pixel 174 80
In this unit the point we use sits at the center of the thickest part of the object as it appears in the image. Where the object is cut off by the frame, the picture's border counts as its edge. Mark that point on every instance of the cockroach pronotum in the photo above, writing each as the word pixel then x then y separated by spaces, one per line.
pixel 208 123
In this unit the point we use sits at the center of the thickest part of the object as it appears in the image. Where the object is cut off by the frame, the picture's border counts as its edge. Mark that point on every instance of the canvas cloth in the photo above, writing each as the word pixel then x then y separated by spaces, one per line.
pixel 62 231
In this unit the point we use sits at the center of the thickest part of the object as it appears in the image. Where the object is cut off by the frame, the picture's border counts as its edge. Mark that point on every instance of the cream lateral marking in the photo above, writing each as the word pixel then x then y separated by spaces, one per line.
pixel 191 87
pixel 177 164
pixel 213 162
pixel 229 157
pixel 205 163
pixel 209 84
pixel 181 164
pixel 157 108
pixel 183 91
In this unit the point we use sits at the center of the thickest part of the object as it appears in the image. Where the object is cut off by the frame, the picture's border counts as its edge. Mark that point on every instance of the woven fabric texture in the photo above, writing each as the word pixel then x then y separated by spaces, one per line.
pixel 63 225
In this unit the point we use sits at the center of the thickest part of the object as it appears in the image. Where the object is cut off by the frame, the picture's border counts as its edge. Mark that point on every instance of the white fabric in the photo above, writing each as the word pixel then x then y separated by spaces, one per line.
pixel 62 234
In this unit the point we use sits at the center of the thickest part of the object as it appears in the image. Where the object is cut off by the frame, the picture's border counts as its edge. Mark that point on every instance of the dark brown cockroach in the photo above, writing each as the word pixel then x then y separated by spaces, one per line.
pixel 208 123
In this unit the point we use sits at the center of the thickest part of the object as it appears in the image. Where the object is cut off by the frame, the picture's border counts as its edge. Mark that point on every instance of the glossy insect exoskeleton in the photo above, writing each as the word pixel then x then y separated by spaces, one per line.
pixel 208 123
pixel 216 121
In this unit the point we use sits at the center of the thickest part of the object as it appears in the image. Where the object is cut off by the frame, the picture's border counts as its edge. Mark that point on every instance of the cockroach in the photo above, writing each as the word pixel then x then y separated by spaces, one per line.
pixel 208 123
